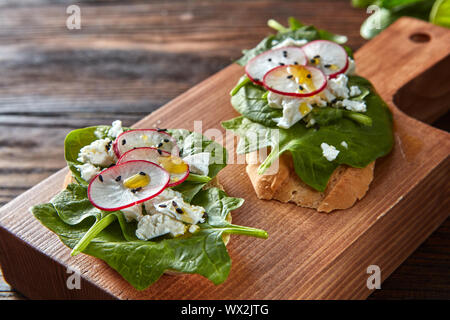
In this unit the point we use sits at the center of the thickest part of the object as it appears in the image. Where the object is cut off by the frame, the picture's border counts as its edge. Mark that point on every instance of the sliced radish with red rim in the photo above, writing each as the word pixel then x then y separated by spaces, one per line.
pixel 257 67
pixel 326 55
pixel 139 138
pixel 127 184
pixel 295 81
pixel 177 168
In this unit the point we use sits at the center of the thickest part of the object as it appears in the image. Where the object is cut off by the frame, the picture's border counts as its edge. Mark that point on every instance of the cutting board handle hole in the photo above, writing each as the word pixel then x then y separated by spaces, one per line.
pixel 420 37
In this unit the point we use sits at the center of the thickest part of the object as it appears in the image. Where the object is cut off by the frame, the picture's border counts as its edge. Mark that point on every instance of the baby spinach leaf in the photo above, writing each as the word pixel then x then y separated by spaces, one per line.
pixel 250 102
pixel 365 142
pixel 141 263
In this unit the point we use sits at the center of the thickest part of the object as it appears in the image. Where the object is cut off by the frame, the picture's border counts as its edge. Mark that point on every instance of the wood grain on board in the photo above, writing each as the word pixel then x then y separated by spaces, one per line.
pixel 95 89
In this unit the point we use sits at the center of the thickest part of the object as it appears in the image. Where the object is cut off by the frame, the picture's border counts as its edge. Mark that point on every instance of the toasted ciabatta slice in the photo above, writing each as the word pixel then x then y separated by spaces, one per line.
pixel 345 187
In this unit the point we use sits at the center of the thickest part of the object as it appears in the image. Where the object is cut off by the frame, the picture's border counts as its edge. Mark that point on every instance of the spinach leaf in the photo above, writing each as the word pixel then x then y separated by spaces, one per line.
pixel 141 263
pixel 365 143
pixel 296 31
pixel 76 140
pixel 250 102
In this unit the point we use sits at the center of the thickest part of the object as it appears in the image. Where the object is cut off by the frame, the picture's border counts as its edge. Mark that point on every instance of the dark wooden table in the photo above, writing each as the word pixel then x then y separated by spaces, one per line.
pixel 128 59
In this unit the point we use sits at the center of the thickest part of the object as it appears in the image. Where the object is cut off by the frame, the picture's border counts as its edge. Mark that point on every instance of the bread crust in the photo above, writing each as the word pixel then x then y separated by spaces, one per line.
pixel 345 187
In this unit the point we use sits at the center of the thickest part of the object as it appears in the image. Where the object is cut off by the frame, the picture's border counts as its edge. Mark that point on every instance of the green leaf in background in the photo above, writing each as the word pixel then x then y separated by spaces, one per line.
pixel 385 12
pixel 440 13
pixel 366 142
pixel 141 263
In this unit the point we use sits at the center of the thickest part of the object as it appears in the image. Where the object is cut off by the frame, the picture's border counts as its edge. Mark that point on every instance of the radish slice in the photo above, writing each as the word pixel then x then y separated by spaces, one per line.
pixel 177 168
pixel 127 184
pixel 257 67
pixel 295 81
pixel 328 56
pixel 139 138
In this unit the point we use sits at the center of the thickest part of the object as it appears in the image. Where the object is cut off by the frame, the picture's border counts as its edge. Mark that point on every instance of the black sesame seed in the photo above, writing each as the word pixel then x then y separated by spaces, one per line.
pixel 142 173
pixel 256 79
pixel 313 60
pixel 285 54
pixel 281 64
pixel 108 146
pixel 136 190
pixel 161 130
pixel 300 87
pixel 100 177
pixel 295 62
pixel 159 151
pixel 179 210
pixel 166 140
pixel 289 76
pixel 160 145
pixel 269 59
pixel 327 66
pixel 316 57
pixel 174 204
pixel 308 76
pixel 163 206
pixel 124 141
pixel 118 178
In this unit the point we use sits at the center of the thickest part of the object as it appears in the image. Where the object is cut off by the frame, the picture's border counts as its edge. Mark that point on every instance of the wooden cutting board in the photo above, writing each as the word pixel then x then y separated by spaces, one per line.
pixel 308 255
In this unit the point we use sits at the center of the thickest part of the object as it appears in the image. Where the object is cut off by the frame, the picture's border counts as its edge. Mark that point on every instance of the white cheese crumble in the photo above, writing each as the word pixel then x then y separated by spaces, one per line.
pixel 133 213
pixel 162 216
pixel 329 151
pixel 344 144
pixel 338 86
pixel 198 163
pixel 288 42
pixel 352 105
pixel 99 153
pixel 87 171
pixel 178 209
pixel 354 91
pixel 294 109
pixel 116 129
pixel 156 225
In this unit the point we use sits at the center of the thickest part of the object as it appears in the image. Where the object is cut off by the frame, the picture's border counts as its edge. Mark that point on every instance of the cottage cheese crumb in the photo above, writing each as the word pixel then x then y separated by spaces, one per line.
pixel 133 213
pixel 338 86
pixel 116 129
pixel 357 106
pixel 344 144
pixel 152 226
pixel 87 171
pixel 354 91
pixel 98 153
pixel 328 151
pixel 198 163
pixel 288 42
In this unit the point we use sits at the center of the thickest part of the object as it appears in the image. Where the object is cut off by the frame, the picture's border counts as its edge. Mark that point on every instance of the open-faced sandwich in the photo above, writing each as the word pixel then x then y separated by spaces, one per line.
pixel 305 110
pixel 146 201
